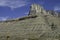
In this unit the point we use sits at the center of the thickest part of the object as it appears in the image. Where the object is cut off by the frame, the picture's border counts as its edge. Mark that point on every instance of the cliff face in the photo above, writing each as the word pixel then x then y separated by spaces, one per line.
pixel 38 25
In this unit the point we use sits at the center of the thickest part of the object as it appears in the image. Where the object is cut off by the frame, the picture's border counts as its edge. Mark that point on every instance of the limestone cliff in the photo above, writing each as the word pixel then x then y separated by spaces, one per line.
pixel 38 25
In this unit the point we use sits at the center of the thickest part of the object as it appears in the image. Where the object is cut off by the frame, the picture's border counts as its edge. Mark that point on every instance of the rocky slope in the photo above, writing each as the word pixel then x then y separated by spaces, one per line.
pixel 38 25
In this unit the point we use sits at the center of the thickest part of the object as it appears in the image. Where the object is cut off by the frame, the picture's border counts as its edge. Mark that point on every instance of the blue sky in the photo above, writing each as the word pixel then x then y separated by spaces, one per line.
pixel 19 8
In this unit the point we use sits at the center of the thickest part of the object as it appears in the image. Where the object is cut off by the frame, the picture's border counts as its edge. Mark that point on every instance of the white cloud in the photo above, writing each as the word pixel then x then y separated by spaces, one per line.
pixel 3 18
pixel 13 3
pixel 56 8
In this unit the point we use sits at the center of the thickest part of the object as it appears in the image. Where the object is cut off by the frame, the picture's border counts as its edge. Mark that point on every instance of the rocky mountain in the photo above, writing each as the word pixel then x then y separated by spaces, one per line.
pixel 39 24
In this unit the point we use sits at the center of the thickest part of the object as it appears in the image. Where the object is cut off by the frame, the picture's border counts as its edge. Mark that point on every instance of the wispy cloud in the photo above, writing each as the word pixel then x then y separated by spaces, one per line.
pixel 56 8
pixel 13 3
pixel 4 18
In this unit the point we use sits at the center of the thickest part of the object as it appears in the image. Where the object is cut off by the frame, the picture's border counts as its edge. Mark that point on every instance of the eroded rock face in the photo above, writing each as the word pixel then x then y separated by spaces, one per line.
pixel 38 25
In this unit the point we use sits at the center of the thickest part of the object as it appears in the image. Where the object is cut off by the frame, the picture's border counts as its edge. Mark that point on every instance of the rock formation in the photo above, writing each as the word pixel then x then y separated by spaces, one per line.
pixel 39 24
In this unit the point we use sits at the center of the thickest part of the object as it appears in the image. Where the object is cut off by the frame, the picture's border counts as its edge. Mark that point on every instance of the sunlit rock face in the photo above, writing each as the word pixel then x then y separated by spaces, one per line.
pixel 38 25
pixel 54 13
pixel 35 9
pixel 39 10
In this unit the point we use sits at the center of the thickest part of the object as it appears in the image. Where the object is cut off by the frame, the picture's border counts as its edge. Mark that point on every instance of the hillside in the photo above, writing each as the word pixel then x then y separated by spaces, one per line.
pixel 39 24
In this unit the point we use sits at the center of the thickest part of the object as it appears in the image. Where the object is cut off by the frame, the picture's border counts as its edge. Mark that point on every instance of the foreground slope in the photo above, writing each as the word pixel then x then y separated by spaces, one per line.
pixel 38 25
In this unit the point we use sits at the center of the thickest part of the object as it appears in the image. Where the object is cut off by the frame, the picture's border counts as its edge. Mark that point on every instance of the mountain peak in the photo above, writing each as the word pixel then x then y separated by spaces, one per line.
pixel 36 9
